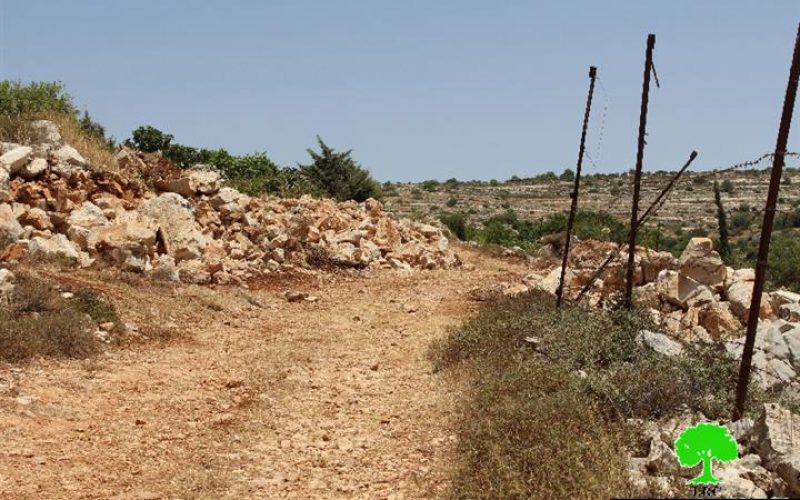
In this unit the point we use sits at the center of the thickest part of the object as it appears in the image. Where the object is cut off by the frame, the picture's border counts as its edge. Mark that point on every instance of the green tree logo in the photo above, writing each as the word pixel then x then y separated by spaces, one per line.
pixel 702 443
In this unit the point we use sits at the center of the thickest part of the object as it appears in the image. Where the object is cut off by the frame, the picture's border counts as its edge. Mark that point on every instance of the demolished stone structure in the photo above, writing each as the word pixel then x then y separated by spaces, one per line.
pixel 146 216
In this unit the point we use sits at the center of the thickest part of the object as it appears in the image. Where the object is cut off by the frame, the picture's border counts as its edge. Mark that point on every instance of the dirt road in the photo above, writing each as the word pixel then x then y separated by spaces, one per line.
pixel 264 399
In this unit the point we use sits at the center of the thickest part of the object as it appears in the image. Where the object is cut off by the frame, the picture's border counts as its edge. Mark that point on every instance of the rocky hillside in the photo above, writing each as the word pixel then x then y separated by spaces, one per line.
pixel 143 215
pixel 690 205
pixel 693 298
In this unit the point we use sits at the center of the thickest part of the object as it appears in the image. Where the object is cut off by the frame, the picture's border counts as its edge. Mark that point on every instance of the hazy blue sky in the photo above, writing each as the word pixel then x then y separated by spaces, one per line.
pixel 419 89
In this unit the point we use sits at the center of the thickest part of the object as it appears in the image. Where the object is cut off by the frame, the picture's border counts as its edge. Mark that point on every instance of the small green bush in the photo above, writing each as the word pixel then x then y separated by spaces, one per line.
pixel 338 175
pixel 528 416
pixel 38 322
pixel 456 223
pixel 784 261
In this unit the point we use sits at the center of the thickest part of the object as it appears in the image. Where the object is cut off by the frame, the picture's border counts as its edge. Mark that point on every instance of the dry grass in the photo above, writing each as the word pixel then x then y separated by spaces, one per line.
pixel 38 322
pixel 17 129
pixel 531 427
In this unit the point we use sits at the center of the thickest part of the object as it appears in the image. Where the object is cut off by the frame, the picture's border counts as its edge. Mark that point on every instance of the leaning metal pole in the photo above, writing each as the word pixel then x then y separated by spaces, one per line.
pixel 574 195
pixel 637 176
pixel 766 230
pixel 650 210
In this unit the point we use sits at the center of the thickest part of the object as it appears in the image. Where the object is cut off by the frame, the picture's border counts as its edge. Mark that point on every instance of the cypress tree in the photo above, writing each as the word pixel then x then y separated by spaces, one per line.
pixel 722 222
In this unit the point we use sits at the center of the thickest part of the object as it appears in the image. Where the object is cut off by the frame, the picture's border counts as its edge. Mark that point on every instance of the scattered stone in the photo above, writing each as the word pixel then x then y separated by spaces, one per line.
pixel 6 282
pixel 294 296
pixel 659 342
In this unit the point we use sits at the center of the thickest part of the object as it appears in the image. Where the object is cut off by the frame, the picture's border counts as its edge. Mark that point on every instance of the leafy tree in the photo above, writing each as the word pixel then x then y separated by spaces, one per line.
pixel 567 175
pixel 338 175
pixel 722 222
pixel 149 139
pixel 701 444
pixel 430 185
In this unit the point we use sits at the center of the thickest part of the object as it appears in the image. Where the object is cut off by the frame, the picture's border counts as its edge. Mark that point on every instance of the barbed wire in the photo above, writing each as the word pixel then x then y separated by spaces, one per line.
pixel 593 159
pixel 614 254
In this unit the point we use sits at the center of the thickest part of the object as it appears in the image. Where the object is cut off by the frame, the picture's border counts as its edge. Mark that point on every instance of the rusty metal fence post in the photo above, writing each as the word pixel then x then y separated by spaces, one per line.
pixel 574 195
pixel 766 230
pixel 637 176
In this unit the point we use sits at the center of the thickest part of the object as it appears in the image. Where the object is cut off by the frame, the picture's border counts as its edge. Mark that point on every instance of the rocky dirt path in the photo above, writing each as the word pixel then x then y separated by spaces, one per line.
pixel 268 399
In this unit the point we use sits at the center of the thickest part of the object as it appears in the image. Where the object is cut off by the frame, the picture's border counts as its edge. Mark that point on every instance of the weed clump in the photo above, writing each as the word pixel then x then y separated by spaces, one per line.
pixel 36 321
pixel 551 393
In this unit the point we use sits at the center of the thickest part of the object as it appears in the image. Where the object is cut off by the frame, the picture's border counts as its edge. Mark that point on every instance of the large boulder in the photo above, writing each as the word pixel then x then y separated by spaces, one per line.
pixel 14 160
pixel 682 291
pixel 45 132
pixel 57 247
pixel 654 262
pixel 193 183
pixel 128 242
pixel 82 225
pixel 740 296
pixel 182 236
pixel 719 321
pixel 66 154
pixel 776 437
pixel 700 262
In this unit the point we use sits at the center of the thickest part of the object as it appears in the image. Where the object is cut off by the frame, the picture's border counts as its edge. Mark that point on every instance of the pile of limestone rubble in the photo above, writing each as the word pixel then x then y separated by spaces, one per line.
pixel 693 298
pixel 54 205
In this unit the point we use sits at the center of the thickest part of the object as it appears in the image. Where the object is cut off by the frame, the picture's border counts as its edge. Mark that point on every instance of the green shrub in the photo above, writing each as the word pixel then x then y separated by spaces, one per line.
pixel 430 185
pixel 18 99
pixel 741 220
pixel 452 202
pixel 21 103
pixel 722 224
pixel 567 175
pixel 338 175
pixel 784 261
pixel 726 186
pixel 456 223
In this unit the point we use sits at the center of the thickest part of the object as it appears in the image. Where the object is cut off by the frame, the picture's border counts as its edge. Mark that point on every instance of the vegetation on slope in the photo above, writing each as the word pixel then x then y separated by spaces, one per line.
pixel 550 392
pixel 37 321
pixel 330 173
pixel 20 104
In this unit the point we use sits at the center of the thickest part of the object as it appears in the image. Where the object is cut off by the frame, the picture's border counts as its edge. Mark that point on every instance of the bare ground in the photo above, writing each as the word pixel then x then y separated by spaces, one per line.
pixel 262 399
